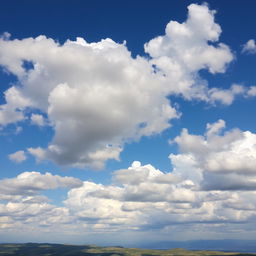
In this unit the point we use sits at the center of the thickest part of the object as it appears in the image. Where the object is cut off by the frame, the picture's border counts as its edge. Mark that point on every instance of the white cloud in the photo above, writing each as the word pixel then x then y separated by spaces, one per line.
pixel 97 93
pixel 10 115
pixel 97 97
pixel 37 119
pixel 136 174
pixel 226 162
pixel 18 156
pixel 38 153
pixel 215 128
pixel 252 91
pixel 137 200
pixel 102 97
pixel 186 48
pixel 13 110
pixel 186 44
pixel 227 96
pixel 249 47
pixel 29 183
pixel 140 198
pixel 131 201
pixel 22 207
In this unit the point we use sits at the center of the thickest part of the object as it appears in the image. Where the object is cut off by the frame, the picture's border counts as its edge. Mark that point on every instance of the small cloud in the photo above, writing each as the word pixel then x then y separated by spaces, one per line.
pixel 249 47
pixel 215 128
pixel 37 119
pixel 38 153
pixel 5 36
pixel 18 156
pixel 227 96
pixel 252 91
pixel 18 130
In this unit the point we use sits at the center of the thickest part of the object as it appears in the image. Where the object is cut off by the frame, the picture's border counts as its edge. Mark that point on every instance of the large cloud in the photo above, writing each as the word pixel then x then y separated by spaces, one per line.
pixel 198 192
pixel 185 49
pixel 96 96
pixel 23 207
pixel 140 197
pixel 132 202
pixel 223 161
pixel 153 199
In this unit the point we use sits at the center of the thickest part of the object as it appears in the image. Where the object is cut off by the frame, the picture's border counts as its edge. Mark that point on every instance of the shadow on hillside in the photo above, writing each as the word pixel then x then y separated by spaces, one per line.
pixel 50 250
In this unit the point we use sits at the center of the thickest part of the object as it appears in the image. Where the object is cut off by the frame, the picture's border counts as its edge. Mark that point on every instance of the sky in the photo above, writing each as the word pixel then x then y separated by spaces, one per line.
pixel 122 121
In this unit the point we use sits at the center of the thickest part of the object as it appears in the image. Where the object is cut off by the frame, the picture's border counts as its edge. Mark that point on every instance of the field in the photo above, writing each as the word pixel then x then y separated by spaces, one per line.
pixel 34 249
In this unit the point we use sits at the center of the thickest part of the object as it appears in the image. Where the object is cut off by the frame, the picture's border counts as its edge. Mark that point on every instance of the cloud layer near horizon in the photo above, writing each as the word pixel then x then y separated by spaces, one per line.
pixel 202 191
pixel 101 96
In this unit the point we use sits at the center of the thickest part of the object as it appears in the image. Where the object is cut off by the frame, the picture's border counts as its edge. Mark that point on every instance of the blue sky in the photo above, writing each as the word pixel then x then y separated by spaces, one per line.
pixel 125 118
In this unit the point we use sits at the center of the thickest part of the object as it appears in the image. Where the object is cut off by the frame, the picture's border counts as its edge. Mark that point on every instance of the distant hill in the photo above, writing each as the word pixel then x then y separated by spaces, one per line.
pixel 34 249
pixel 219 245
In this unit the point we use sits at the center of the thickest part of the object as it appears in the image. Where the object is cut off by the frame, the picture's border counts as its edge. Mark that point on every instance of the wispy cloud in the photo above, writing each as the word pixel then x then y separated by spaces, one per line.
pixel 18 156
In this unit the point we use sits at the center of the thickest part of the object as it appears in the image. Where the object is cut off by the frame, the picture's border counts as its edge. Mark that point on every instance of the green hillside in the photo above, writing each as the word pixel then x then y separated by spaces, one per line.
pixel 33 249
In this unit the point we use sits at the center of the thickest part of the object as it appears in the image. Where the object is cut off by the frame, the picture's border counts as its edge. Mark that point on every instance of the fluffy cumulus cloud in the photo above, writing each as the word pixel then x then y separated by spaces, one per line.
pixel 101 96
pixel 30 183
pixel 187 48
pixel 37 119
pixel 227 96
pixel 22 206
pixel 97 97
pixel 212 187
pixel 225 161
pixel 195 193
pixel 97 93
pixel 212 184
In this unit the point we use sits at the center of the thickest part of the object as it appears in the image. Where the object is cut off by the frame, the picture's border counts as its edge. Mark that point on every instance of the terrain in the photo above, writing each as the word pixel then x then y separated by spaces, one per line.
pixel 45 249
